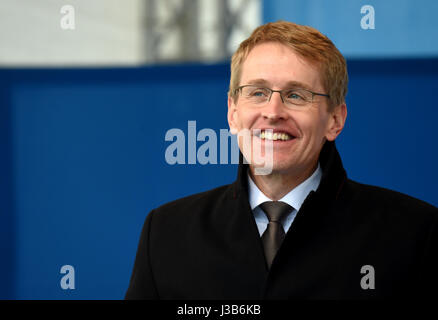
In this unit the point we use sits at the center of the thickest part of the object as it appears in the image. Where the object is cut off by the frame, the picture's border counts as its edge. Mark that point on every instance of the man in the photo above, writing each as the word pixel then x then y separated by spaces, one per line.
pixel 304 230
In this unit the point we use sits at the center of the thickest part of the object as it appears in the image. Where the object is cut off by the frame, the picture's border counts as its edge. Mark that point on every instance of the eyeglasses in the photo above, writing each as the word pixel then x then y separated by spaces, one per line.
pixel 290 97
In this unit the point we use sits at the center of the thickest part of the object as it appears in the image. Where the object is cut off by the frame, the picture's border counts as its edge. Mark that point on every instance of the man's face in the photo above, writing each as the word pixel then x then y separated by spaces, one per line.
pixel 277 66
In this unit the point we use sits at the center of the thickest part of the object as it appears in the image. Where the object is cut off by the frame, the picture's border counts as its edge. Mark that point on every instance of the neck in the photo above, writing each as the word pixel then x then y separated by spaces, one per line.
pixel 277 184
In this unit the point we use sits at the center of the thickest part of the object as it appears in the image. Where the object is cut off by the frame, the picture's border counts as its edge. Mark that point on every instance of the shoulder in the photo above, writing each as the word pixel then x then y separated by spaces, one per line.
pixel 389 200
pixel 194 204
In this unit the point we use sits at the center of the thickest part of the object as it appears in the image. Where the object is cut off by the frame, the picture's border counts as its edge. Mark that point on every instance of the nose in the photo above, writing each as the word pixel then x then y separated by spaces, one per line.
pixel 275 108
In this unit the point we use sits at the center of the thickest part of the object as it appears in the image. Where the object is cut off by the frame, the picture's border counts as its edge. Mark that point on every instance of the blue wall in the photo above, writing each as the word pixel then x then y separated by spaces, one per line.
pixel 403 28
pixel 82 159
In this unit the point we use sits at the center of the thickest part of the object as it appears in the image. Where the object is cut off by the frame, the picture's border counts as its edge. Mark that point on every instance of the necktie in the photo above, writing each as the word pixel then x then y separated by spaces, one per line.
pixel 274 234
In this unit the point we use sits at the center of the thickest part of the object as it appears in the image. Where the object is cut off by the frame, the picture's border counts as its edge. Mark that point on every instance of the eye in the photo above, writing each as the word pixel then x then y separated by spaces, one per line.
pixel 294 95
pixel 259 92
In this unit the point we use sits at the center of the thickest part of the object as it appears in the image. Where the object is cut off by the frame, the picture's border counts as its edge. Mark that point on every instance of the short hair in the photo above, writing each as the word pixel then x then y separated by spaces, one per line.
pixel 308 43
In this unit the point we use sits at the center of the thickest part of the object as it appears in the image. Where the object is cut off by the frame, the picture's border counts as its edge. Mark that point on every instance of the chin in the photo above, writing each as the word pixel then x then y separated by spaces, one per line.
pixel 279 167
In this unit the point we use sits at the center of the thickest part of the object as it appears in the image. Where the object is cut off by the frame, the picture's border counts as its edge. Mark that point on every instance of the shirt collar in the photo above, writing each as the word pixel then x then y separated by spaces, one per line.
pixel 294 198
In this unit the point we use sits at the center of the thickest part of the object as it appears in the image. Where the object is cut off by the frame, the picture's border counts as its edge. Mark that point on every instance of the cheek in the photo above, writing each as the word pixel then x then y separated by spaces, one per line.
pixel 314 128
pixel 244 119
pixel 234 121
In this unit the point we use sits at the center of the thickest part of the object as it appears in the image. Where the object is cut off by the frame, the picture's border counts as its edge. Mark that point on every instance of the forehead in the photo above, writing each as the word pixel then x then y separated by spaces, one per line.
pixel 277 65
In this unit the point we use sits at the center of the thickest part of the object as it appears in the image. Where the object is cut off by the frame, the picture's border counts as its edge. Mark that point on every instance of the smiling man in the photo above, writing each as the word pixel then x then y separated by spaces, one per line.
pixel 303 231
pixel 298 110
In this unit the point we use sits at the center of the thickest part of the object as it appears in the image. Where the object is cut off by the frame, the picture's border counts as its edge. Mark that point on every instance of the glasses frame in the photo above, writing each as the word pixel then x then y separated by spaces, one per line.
pixel 280 92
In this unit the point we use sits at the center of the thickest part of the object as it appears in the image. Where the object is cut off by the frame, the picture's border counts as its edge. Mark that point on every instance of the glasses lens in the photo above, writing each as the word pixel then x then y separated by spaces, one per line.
pixel 256 94
pixel 297 97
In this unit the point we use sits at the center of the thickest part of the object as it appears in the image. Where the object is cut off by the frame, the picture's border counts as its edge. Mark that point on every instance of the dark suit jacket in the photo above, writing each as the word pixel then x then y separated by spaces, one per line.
pixel 207 246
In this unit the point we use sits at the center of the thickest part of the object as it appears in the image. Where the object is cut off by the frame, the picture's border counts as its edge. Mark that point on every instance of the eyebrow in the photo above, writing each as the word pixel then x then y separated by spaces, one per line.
pixel 289 84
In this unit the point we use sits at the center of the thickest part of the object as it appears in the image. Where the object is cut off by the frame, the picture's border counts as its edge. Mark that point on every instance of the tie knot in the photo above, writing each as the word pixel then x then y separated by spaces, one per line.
pixel 276 210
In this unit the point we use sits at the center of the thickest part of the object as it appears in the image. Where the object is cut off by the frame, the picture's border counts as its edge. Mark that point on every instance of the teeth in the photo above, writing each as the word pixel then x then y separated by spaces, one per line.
pixel 275 136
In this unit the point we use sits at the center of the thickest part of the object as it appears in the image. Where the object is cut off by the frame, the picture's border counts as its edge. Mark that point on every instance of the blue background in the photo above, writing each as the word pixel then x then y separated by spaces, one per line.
pixel 403 28
pixel 82 159
pixel 82 150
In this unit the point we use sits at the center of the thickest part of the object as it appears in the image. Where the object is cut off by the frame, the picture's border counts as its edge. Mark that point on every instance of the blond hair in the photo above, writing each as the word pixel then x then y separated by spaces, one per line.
pixel 307 42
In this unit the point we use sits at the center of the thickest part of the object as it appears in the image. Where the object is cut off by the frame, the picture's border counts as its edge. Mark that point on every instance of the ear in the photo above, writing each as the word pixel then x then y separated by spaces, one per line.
pixel 232 116
pixel 336 121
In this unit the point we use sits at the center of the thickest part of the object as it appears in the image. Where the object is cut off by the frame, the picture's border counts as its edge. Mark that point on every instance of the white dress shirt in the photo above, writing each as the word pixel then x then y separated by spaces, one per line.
pixel 294 198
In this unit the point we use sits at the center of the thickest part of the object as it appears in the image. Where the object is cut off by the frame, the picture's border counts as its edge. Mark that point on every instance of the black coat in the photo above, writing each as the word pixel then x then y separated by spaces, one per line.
pixel 207 246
